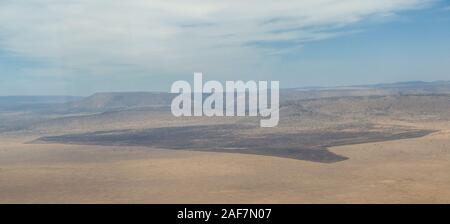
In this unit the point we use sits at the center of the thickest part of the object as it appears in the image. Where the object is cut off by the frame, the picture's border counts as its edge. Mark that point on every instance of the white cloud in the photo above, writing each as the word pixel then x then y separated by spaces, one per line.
pixel 176 37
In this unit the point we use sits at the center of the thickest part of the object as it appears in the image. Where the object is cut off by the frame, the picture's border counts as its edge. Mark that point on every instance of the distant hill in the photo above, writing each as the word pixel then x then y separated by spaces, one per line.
pixel 112 101
pixel 387 89
pixel 115 100
pixel 417 86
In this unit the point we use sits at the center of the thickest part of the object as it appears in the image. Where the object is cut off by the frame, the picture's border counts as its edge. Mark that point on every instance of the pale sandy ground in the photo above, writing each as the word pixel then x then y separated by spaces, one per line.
pixel 402 171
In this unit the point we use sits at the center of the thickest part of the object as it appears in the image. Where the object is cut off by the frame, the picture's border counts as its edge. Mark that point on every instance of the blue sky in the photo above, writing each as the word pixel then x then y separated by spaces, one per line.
pixel 80 47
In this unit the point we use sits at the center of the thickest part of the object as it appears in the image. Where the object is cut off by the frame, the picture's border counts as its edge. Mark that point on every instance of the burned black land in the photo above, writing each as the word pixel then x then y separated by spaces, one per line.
pixel 307 145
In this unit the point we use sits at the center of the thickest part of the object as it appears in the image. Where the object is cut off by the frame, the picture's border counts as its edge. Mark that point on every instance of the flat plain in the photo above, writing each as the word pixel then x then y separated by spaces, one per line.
pixel 370 145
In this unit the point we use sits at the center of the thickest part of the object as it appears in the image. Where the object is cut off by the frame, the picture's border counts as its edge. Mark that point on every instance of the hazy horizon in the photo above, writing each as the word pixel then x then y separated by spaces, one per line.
pixel 300 87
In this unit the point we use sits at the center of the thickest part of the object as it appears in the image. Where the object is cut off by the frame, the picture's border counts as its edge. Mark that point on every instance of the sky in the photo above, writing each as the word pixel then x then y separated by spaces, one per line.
pixel 79 47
